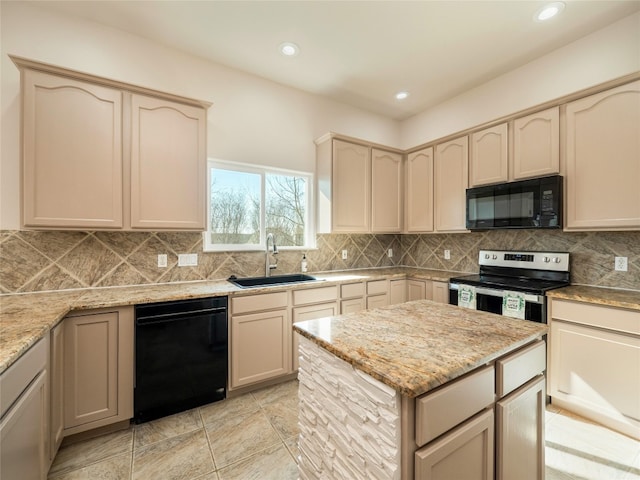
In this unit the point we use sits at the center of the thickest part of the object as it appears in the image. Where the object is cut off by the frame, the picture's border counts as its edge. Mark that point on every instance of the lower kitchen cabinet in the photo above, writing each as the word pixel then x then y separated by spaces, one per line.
pixel 352 305
pixel 440 292
pixel 520 433
pixel 464 453
pixel 98 368
pixel 24 410
pixel 56 388
pixel 594 363
pixel 260 332
pixel 417 289
pixel 397 291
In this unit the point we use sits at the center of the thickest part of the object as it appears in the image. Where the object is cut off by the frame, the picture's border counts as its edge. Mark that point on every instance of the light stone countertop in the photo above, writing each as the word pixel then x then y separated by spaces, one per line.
pixel 417 346
pixel 601 296
pixel 26 318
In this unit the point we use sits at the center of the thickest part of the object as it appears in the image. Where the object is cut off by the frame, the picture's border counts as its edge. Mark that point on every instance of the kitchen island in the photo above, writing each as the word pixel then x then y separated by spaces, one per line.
pixel 421 390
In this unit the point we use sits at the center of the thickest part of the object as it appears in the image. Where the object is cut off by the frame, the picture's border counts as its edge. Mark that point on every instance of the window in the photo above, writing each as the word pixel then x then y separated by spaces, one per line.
pixel 247 202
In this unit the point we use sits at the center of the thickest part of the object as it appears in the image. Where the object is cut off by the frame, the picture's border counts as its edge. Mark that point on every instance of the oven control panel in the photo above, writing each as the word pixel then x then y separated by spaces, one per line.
pixel 557 261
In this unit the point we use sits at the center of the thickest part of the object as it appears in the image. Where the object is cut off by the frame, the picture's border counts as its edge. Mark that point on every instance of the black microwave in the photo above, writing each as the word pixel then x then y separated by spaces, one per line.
pixel 535 203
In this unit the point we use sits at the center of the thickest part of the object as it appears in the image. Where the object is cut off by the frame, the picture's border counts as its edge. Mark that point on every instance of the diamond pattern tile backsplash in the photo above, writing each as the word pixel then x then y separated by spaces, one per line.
pixel 57 260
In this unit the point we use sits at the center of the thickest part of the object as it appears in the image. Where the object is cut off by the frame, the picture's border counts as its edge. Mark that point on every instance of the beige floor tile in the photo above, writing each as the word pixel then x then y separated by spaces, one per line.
pixel 167 427
pixel 186 456
pixel 292 446
pixel 235 438
pixel 274 463
pixel 277 393
pixel 81 454
pixel 113 468
pixel 283 415
pixel 229 407
pixel 585 450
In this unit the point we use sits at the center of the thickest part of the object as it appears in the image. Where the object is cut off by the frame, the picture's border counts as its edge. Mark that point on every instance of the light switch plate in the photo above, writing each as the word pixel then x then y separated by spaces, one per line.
pixel 162 260
pixel 344 254
pixel 187 259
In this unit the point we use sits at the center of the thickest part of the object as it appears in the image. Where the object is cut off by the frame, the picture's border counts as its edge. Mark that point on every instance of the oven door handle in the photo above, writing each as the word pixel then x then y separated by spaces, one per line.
pixel 491 292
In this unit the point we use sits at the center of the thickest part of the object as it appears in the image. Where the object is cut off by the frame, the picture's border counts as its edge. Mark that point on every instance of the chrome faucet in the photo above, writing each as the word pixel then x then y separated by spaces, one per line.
pixel 267 264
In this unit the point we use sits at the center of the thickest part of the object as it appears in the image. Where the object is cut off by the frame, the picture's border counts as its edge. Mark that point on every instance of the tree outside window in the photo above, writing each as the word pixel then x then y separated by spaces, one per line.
pixel 248 202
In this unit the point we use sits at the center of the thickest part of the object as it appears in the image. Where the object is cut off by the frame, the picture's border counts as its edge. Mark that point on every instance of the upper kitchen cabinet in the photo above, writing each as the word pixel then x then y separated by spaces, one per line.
pixel 72 153
pixel 450 184
pixel 489 156
pixel 536 144
pixel 168 164
pixel 386 191
pixel 359 187
pixel 603 160
pixel 100 154
pixel 419 191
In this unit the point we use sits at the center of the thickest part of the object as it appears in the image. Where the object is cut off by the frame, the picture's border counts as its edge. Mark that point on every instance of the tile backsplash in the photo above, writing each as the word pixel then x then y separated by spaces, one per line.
pixel 55 260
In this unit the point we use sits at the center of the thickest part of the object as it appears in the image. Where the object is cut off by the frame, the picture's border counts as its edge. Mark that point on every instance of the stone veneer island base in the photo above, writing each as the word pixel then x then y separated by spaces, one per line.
pixel 421 390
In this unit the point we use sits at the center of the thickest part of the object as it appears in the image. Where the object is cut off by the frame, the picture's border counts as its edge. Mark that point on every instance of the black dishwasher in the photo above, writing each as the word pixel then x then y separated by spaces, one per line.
pixel 181 356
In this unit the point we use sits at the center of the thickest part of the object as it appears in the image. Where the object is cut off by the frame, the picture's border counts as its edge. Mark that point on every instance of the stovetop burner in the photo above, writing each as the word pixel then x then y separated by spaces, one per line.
pixel 531 272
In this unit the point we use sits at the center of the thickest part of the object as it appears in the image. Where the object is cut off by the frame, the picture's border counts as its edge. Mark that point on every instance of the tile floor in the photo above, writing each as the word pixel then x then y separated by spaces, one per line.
pixel 254 437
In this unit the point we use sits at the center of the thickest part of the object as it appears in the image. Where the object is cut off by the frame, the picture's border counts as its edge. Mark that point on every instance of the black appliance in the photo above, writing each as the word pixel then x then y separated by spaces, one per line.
pixel 535 203
pixel 181 356
pixel 507 276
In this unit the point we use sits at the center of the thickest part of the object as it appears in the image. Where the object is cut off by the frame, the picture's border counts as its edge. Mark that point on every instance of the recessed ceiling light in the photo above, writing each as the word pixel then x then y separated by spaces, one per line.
pixel 402 95
pixel 549 11
pixel 289 49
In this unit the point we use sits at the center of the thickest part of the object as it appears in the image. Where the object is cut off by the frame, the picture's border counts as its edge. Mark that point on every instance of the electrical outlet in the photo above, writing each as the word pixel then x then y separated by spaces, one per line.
pixel 162 260
pixel 390 253
pixel 344 254
pixel 447 254
pixel 621 264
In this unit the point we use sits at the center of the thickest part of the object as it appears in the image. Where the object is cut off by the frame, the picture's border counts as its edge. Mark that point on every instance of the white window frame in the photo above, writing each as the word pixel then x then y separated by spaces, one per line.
pixel 310 231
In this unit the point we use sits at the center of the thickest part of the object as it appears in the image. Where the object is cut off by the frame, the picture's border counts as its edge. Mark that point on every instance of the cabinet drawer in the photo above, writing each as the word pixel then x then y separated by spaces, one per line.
pixel 351 290
pixel 520 367
pixel 376 287
pixel 434 414
pixel 315 295
pixel 252 303
pixel 610 318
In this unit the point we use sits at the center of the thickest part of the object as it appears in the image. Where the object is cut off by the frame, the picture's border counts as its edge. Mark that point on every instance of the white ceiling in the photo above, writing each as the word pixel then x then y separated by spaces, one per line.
pixel 360 52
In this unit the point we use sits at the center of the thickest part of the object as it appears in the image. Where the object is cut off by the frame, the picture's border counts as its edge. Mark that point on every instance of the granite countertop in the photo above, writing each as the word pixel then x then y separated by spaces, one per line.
pixel 26 318
pixel 417 346
pixel 602 296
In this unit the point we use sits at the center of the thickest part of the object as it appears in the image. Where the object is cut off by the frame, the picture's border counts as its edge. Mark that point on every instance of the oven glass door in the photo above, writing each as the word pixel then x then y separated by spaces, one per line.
pixel 490 300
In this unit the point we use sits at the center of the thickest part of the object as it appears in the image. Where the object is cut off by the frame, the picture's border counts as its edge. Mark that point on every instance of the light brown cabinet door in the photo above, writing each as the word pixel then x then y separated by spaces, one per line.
pixel 260 347
pixel 168 165
pixel 536 144
pixel 603 160
pixel 352 305
pixel 417 290
pixel 397 291
pixel 23 434
pixel 98 369
pixel 607 365
pixel 351 178
pixel 520 433
pixel 72 151
pixel 386 191
pixel 464 453
pixel 56 386
pixel 451 180
pixel 377 301
pixel 440 292
pixel 489 156
pixel 419 192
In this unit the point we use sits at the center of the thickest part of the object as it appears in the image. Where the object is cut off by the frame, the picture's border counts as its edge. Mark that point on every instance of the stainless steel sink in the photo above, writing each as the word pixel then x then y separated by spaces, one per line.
pixel 253 282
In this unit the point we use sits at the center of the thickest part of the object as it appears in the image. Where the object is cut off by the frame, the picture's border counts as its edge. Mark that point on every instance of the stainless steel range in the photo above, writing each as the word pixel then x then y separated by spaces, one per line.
pixel 512 283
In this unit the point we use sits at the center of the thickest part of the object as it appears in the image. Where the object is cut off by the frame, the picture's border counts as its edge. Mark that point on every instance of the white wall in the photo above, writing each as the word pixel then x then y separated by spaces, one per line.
pixel 252 120
pixel 606 54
